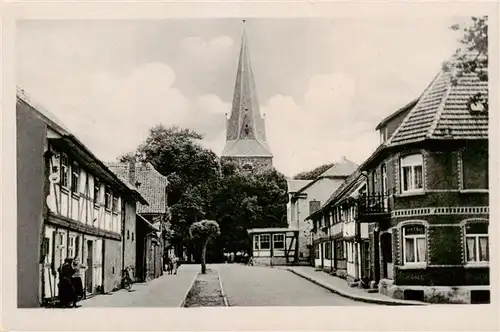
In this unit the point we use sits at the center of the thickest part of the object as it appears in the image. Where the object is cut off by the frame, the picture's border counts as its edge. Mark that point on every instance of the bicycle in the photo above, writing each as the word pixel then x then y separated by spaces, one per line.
pixel 126 280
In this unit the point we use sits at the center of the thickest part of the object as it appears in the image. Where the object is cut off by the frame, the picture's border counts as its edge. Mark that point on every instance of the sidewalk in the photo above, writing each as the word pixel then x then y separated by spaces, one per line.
pixel 339 286
pixel 166 291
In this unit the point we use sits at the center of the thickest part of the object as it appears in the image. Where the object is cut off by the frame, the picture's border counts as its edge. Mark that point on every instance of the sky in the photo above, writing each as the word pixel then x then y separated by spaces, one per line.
pixel 323 84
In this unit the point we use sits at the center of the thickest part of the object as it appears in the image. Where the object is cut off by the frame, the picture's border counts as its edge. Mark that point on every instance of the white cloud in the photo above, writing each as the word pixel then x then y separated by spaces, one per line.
pixel 319 131
pixel 112 115
pixel 207 56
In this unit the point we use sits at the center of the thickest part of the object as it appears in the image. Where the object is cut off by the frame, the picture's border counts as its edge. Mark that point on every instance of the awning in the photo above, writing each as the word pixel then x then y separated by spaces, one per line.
pixel 271 230
pixel 150 225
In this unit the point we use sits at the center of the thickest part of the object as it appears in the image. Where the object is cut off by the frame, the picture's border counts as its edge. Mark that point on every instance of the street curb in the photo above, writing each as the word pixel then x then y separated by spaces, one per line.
pixel 183 302
pixel 226 303
pixel 354 297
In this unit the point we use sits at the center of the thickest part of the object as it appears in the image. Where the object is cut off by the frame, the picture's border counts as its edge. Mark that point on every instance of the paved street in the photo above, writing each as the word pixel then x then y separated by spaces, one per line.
pixel 166 291
pixel 264 286
pixel 243 286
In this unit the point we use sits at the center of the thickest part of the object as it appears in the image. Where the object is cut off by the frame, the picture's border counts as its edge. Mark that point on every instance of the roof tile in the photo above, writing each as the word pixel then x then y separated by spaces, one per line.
pixel 442 112
pixel 152 185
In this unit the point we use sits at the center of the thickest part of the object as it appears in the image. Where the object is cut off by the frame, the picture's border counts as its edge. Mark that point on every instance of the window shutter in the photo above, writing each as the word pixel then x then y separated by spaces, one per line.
pixel 56 252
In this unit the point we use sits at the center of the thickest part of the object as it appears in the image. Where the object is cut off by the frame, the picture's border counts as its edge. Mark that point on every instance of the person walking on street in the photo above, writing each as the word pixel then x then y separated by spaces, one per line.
pixel 174 260
pixel 76 280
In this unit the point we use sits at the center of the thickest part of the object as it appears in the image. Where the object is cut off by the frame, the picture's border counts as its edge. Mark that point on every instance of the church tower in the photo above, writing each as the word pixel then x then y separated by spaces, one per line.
pixel 245 129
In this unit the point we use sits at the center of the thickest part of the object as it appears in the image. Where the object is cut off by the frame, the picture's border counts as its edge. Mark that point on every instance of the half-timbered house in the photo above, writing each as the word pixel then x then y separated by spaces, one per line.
pixel 69 205
pixel 274 246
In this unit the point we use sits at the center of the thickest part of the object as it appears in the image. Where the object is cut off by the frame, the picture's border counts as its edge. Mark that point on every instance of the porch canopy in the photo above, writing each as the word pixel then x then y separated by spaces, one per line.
pixel 272 230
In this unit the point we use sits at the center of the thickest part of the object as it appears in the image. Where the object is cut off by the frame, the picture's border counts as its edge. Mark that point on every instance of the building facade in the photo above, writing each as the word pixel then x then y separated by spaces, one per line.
pixel 341 244
pixel 274 246
pixel 423 201
pixel 305 197
pixel 432 173
pixel 152 220
pixel 71 206
pixel 246 142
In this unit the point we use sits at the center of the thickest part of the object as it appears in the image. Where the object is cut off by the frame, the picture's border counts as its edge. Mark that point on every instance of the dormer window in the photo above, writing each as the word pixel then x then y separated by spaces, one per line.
pixel 248 167
pixel 478 103
pixel 383 135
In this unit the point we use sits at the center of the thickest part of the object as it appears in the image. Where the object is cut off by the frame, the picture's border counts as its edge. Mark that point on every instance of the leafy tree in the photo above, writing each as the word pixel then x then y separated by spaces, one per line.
pixel 472 56
pixel 313 174
pixel 245 201
pixel 192 172
pixel 203 231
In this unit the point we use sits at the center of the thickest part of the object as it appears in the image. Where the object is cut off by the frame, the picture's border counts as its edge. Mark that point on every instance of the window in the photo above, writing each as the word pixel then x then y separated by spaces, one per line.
pixel 128 234
pixel 412 173
pixel 256 244
pixel 265 242
pixel 339 250
pixel 64 171
pixel 71 247
pixel 476 242
pixel 75 175
pixel 107 198
pixel 279 241
pixel 328 250
pixel 247 167
pixel 97 191
pixel 316 252
pixel 414 244
pixel 375 182
pixel 384 179
pixel 115 204
pixel 132 236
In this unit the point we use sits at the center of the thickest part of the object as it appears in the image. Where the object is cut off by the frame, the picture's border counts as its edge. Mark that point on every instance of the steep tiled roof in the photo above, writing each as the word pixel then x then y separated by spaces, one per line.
pixel 96 164
pixel 295 185
pixel 49 116
pixel 442 112
pixel 152 185
pixel 395 114
pixel 344 167
pixel 353 179
pixel 246 147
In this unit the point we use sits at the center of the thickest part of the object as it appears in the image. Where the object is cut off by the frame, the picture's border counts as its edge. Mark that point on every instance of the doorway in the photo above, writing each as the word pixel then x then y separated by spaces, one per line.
pixel 89 276
pixel 386 248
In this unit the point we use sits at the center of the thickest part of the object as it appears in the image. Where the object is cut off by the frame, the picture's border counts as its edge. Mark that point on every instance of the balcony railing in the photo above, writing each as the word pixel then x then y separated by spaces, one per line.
pixel 374 204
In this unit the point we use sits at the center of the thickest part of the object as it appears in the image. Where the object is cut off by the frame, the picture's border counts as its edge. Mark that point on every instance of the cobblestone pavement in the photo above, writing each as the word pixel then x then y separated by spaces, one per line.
pixel 166 291
pixel 265 286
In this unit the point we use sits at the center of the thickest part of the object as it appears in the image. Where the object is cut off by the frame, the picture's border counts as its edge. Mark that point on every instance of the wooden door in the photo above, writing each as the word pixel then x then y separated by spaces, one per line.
pixel 89 271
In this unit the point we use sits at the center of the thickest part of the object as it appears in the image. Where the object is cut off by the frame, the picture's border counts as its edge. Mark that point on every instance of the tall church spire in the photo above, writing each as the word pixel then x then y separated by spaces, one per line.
pixel 246 132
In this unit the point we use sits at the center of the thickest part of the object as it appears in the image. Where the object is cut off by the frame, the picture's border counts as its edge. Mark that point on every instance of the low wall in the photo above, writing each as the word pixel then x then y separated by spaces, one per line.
pixel 435 294
pixel 268 261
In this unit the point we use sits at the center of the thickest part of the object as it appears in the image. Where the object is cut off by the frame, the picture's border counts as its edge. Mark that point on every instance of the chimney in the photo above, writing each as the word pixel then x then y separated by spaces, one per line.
pixel 131 171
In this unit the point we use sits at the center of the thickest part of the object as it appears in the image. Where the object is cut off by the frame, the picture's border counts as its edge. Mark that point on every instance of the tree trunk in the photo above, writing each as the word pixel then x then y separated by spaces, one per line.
pixel 203 257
